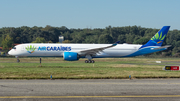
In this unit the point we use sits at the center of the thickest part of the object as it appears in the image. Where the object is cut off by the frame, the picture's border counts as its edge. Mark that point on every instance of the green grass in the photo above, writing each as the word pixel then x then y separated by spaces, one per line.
pixel 29 68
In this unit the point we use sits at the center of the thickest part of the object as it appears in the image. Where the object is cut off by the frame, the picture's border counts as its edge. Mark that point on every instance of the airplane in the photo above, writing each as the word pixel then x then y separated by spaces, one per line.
pixel 72 52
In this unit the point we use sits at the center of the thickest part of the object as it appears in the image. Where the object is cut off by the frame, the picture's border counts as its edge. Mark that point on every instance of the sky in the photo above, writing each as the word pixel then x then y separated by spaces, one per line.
pixel 90 13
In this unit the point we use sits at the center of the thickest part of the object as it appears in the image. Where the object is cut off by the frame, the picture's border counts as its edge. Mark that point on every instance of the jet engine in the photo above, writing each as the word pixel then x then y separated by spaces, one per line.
pixel 70 56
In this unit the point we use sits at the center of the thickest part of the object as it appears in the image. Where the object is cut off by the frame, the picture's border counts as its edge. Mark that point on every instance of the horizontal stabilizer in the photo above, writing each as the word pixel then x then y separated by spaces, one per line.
pixel 161 47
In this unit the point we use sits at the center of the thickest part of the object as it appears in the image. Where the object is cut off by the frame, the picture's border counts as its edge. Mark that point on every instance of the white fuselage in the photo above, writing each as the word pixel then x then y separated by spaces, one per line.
pixel 57 50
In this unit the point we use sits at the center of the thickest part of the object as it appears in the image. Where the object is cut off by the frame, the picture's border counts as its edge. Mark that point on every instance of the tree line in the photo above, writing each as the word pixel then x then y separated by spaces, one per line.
pixel 49 34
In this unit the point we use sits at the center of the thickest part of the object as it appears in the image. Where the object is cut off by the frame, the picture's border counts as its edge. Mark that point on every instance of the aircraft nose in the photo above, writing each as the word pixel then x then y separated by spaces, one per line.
pixel 10 52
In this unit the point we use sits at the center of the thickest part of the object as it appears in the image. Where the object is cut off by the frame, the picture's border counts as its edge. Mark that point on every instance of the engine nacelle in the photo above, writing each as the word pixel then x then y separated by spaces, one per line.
pixel 70 56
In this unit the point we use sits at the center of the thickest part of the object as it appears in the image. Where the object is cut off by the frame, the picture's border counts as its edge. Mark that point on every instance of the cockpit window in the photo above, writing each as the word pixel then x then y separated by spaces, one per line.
pixel 14 47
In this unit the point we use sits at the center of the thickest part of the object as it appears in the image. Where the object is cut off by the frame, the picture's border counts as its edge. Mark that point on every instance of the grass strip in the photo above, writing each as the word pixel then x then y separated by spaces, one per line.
pixel 114 68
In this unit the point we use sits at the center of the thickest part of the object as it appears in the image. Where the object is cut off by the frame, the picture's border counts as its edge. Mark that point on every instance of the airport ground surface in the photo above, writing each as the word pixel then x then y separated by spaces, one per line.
pixel 91 90
pixel 105 68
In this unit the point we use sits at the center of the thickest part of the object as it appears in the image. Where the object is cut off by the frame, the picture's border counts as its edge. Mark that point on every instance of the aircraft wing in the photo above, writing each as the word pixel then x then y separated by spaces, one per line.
pixel 93 51
pixel 161 47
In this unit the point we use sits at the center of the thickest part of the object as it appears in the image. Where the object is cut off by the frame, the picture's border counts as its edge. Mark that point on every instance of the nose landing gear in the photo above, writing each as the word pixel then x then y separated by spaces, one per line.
pixel 17 59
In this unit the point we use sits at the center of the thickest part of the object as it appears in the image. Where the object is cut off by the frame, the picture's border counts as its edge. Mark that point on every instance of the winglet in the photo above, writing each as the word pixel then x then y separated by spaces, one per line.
pixel 114 44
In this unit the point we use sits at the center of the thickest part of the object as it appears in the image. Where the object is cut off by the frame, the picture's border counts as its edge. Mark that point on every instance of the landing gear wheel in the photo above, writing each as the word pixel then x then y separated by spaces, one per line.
pixel 86 61
pixel 18 60
pixel 89 61
pixel 92 61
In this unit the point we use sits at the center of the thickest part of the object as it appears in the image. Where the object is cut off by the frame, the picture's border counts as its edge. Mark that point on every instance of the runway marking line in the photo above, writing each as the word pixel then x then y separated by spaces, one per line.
pixel 128 96
pixel 92 83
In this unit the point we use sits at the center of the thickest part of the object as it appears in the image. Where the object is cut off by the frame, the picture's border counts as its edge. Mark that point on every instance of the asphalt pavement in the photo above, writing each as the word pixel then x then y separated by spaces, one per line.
pixel 91 90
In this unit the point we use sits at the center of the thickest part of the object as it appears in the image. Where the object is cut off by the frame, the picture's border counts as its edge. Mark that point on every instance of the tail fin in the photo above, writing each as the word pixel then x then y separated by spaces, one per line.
pixel 158 38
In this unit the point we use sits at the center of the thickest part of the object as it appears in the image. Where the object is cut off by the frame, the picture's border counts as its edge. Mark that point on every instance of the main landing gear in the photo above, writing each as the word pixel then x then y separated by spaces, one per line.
pixel 89 57
pixel 89 61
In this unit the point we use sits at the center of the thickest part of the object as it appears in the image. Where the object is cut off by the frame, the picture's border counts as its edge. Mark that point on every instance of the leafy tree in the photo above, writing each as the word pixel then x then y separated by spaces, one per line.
pixel 66 41
pixel 7 42
pixel 39 40
pixel 141 41
pixel 105 39
pixel 122 38
pixel 91 39
pixel 130 38
pixel 50 41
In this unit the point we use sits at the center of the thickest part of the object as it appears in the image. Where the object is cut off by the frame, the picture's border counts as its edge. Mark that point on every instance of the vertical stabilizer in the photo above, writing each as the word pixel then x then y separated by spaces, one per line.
pixel 158 38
